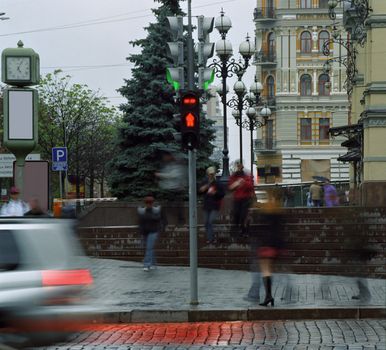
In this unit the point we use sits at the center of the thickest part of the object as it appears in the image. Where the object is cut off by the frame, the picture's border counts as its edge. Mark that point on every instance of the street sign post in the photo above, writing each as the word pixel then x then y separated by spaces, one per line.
pixel 59 163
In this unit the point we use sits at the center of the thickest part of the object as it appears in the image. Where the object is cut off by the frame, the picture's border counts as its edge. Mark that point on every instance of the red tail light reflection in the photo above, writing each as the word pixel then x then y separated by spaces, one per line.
pixel 66 277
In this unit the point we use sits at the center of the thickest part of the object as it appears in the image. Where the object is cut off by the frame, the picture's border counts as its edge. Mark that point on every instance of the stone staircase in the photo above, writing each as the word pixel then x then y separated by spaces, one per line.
pixel 318 241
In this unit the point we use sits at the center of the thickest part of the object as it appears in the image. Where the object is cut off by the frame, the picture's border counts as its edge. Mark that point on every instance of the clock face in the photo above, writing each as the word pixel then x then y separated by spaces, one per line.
pixel 18 68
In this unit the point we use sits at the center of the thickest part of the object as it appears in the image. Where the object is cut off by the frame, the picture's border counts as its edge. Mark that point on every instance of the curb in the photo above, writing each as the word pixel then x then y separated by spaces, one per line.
pixel 160 316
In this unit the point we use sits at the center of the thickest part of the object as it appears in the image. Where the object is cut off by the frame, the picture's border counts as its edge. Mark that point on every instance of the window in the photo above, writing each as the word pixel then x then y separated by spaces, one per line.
pixel 305 42
pixel 305 85
pixel 323 4
pixel 324 37
pixel 305 129
pixel 270 9
pixel 269 134
pixel 271 46
pixel 305 4
pixel 322 87
pixel 324 127
pixel 271 86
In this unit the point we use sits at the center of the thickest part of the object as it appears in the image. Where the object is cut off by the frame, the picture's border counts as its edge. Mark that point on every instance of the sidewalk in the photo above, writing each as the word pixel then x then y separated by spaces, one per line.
pixel 126 293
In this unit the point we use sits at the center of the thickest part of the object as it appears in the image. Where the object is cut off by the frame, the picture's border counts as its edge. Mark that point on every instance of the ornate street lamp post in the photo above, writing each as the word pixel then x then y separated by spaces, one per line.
pixel 225 67
pixel 239 104
pixel 253 122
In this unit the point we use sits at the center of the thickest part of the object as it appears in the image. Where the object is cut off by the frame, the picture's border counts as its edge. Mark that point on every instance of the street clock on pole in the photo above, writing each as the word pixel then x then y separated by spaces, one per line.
pixel 20 70
pixel 20 66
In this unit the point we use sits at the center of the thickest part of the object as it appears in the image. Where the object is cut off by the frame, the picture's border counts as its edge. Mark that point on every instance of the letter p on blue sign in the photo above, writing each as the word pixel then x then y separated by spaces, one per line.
pixel 59 158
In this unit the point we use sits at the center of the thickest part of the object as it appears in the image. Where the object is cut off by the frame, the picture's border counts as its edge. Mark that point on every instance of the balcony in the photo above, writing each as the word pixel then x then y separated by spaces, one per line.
pixel 264 14
pixel 270 101
pixel 267 145
pixel 263 58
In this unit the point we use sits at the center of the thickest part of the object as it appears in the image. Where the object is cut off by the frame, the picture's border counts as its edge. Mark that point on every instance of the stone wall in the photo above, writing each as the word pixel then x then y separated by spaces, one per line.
pixel 317 241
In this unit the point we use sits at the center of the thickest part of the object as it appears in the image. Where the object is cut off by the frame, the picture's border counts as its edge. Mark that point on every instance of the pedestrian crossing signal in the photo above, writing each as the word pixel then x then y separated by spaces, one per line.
pixel 190 120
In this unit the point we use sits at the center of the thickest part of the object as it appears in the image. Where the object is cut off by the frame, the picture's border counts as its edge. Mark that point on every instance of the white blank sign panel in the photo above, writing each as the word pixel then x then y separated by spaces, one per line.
pixel 20 117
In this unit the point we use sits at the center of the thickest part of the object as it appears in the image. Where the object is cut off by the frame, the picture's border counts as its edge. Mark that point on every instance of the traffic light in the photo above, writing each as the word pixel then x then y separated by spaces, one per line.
pixel 190 119
pixel 205 50
pixel 175 75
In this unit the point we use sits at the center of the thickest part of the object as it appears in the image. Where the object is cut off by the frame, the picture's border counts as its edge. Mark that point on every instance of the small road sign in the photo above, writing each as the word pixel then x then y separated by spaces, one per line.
pixel 59 158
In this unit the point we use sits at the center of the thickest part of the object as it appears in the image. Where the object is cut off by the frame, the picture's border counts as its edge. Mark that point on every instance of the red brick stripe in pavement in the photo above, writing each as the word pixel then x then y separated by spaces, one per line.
pixel 236 333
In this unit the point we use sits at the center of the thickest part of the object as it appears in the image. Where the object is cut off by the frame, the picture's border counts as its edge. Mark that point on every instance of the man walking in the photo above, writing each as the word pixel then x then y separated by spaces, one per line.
pixel 316 194
pixel 213 194
pixel 151 223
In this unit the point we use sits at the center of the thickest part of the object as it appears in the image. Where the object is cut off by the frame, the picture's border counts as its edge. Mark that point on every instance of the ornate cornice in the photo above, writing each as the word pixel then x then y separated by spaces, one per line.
pixel 374 118
pixel 376 21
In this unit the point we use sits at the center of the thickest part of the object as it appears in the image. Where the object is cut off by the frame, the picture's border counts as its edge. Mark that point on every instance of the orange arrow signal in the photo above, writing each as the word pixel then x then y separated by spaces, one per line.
pixel 190 120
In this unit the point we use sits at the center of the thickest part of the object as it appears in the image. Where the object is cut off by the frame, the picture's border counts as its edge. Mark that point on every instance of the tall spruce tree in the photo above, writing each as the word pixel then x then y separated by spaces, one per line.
pixel 148 124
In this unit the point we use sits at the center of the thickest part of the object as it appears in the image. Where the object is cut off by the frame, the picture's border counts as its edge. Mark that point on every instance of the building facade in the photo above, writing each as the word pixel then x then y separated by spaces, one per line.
pixel 365 21
pixel 305 101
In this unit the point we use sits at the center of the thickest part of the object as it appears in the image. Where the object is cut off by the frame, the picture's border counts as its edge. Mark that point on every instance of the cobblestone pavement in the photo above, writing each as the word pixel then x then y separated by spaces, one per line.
pixel 265 335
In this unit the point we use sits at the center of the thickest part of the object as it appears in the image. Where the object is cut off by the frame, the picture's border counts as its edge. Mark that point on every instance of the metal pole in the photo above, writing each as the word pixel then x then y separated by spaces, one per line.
pixel 241 129
pixel 60 184
pixel 252 155
pixel 192 178
pixel 19 174
pixel 225 159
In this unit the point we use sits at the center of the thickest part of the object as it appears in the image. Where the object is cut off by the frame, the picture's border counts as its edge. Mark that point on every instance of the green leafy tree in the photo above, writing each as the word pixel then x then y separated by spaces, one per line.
pixel 148 124
pixel 74 116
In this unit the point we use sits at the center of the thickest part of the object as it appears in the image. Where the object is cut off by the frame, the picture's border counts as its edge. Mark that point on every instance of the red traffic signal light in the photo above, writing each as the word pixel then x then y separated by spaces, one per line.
pixel 189 100
pixel 190 119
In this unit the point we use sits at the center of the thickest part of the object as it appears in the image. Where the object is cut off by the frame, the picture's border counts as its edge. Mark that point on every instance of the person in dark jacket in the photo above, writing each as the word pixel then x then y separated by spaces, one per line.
pixel 151 223
pixel 213 194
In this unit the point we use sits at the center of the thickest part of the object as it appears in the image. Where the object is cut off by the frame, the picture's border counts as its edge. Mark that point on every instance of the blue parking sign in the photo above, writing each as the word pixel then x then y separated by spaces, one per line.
pixel 59 158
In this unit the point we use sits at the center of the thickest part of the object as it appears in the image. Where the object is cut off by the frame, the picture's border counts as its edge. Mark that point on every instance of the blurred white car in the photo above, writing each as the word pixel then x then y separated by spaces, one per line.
pixel 43 276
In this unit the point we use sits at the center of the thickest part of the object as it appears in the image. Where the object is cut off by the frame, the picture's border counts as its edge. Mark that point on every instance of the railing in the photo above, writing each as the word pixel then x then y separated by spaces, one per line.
pixel 264 13
pixel 270 100
pixel 265 57
pixel 267 144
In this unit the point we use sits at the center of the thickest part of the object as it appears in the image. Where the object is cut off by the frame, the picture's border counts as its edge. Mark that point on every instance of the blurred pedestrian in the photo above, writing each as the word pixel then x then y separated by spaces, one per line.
pixel 308 199
pixel 241 184
pixel 151 223
pixel 35 209
pixel 173 179
pixel 213 192
pixel 331 198
pixel 271 243
pixel 15 206
pixel 316 194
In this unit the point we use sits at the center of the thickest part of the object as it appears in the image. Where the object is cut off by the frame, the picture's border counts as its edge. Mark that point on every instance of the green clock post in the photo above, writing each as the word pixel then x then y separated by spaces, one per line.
pixel 20 69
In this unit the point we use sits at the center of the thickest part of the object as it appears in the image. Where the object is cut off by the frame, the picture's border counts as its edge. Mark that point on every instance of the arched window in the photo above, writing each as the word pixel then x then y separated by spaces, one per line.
pixel 324 36
pixel 271 86
pixel 305 85
pixel 271 46
pixel 323 89
pixel 305 42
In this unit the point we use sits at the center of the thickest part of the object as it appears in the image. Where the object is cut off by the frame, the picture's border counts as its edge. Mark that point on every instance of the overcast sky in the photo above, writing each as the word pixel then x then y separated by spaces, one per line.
pixel 89 39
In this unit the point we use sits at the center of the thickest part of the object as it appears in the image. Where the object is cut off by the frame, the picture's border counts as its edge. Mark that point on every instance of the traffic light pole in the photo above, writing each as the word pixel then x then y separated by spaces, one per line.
pixel 192 178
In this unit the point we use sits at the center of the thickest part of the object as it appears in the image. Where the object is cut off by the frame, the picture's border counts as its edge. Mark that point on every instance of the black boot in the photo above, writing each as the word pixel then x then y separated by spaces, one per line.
pixel 364 293
pixel 268 294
